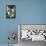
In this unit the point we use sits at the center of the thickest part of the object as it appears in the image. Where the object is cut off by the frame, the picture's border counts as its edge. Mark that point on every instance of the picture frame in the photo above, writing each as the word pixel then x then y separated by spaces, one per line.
pixel 11 11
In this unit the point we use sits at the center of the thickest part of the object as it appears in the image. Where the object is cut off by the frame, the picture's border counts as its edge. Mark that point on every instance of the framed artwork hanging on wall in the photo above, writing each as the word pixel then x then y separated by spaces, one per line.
pixel 11 11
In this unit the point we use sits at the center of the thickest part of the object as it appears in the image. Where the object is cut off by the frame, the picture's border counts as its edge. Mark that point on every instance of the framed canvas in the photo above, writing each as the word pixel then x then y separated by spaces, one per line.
pixel 10 11
pixel 32 32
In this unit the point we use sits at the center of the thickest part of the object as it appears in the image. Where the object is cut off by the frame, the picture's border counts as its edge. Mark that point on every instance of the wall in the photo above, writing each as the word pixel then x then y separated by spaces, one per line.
pixel 31 11
pixel 6 25
pixel 27 12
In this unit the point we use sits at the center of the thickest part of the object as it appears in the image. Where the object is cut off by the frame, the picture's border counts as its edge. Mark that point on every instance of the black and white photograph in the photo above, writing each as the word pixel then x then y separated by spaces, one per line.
pixel 31 34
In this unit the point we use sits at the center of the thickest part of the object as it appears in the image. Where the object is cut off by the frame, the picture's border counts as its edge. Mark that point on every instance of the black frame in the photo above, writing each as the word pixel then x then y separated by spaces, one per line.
pixel 11 6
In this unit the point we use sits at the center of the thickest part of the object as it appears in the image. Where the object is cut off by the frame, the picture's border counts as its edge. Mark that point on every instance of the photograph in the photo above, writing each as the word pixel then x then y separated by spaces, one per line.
pixel 10 11
pixel 31 33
